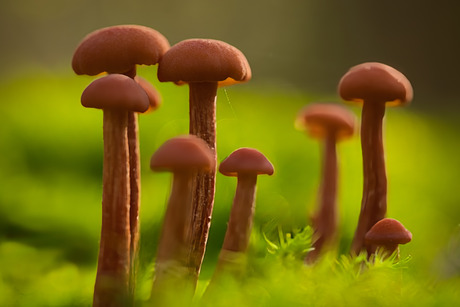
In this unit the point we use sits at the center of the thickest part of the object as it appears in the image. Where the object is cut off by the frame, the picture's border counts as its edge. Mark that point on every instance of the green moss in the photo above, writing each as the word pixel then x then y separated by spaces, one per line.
pixel 50 170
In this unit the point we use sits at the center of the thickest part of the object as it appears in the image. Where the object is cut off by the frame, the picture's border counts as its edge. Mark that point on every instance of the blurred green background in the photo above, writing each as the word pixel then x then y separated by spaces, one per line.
pixel 51 147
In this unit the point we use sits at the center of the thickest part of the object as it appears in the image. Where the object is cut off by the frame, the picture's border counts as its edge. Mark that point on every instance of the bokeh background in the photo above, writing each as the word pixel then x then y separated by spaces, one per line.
pixel 51 147
pixel 305 44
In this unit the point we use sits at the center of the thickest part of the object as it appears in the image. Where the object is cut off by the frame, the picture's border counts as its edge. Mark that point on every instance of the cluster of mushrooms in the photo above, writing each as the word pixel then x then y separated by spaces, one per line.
pixel 205 65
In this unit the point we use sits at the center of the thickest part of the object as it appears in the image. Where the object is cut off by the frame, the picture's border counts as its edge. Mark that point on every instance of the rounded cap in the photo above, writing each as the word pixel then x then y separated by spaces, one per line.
pixel 153 95
pixel 183 153
pixel 203 60
pixel 117 49
pixel 320 119
pixel 375 82
pixel 246 161
pixel 388 232
pixel 115 92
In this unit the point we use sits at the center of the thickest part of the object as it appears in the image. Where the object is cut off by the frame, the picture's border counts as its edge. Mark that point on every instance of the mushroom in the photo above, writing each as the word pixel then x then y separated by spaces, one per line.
pixel 118 49
pixel 387 234
pixel 184 157
pixel 330 123
pixel 203 64
pixel 245 164
pixel 116 95
pixel 376 86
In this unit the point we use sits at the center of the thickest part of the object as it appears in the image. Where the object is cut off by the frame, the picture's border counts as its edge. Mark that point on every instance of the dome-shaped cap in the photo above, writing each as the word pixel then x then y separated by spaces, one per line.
pixel 152 93
pixel 183 153
pixel 244 161
pixel 388 231
pixel 115 91
pixel 117 49
pixel 320 119
pixel 203 60
pixel 375 82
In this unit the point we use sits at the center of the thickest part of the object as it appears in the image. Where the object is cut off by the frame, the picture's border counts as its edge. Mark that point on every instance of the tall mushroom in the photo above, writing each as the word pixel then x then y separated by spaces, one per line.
pixel 330 123
pixel 184 157
pixel 376 86
pixel 116 95
pixel 203 64
pixel 245 164
pixel 387 234
pixel 118 49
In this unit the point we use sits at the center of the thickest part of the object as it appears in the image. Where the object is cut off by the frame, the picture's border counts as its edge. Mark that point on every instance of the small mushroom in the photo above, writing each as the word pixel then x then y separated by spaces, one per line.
pixel 118 49
pixel 387 234
pixel 184 157
pixel 245 164
pixel 375 86
pixel 330 123
pixel 203 64
pixel 116 95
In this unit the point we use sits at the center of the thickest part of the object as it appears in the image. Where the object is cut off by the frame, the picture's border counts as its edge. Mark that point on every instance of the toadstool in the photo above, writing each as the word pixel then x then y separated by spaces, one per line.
pixel 245 164
pixel 375 86
pixel 203 64
pixel 116 95
pixel 118 49
pixel 387 234
pixel 184 157
pixel 330 123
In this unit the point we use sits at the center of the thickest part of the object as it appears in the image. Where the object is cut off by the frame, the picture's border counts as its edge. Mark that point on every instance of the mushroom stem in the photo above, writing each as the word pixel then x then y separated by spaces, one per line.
pixel 387 250
pixel 202 124
pixel 325 221
pixel 174 235
pixel 374 202
pixel 111 288
pixel 240 223
pixel 236 240
pixel 134 186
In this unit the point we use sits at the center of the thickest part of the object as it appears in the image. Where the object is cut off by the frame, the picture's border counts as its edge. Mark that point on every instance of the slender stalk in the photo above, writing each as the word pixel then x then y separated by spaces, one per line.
pixel 236 240
pixel 203 125
pixel 374 202
pixel 135 189
pixel 240 223
pixel 111 288
pixel 135 186
pixel 325 222
pixel 171 263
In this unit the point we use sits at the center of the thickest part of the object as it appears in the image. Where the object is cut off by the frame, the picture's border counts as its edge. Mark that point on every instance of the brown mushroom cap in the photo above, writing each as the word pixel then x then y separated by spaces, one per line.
pixel 203 60
pixel 184 153
pixel 152 93
pixel 388 231
pixel 319 119
pixel 246 161
pixel 115 91
pixel 375 82
pixel 117 49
